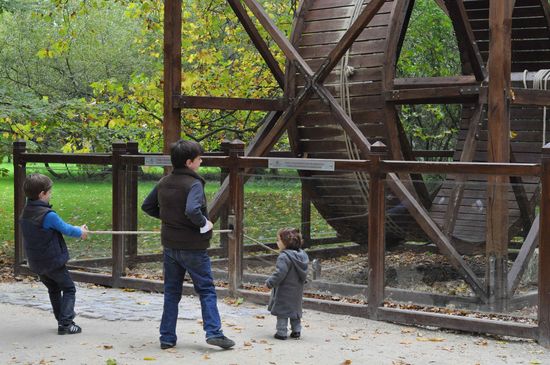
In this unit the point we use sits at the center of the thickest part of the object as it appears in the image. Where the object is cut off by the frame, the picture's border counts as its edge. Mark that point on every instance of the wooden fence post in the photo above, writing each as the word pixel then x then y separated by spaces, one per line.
pixel 131 206
pixel 544 251
pixel 236 208
pixel 306 216
pixel 376 239
pixel 118 201
pixel 19 173
pixel 224 210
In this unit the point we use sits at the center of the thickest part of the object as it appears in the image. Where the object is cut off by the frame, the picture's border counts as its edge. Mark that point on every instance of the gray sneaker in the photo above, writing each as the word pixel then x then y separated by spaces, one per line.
pixel 223 342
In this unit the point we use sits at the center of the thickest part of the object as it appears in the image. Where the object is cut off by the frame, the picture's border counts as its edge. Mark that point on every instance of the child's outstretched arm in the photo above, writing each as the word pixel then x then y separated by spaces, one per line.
pixel 281 269
pixel 53 221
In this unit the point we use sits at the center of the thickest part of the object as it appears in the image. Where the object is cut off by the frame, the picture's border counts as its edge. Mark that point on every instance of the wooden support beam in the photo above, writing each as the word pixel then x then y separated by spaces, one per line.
pixel 212 102
pixel 544 251
pixel 278 36
pixel 376 239
pixel 524 256
pixel 465 34
pixel 434 95
pixel 429 82
pixel 19 200
pixel 399 145
pixel 131 207
pixel 270 135
pixel 118 202
pixel 458 323
pixel 236 218
pixel 500 61
pixel 467 155
pixel 434 233
pixel 530 97
pixel 171 129
pixel 526 207
pixel 258 41
pixel 345 121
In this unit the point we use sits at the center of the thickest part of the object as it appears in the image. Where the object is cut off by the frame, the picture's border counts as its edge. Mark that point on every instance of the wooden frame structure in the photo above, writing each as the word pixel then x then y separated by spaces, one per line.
pixel 478 45
pixel 477 23
pixel 125 159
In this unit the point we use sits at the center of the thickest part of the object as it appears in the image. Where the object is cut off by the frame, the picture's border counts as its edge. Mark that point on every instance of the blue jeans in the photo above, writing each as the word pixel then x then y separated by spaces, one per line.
pixel 62 291
pixel 197 264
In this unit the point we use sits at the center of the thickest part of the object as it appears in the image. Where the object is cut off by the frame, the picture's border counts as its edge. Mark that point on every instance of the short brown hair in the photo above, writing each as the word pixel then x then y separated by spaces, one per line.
pixel 35 184
pixel 290 238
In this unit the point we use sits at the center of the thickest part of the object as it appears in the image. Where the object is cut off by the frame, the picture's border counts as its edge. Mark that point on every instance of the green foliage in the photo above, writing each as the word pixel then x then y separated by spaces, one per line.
pixel 428 54
pixel 77 75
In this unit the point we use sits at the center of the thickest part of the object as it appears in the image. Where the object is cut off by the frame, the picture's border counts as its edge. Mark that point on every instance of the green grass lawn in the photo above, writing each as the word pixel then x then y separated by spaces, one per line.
pixel 270 203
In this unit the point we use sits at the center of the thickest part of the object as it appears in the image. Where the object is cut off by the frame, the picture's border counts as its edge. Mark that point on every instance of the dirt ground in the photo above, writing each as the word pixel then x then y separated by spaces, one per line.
pixel 28 336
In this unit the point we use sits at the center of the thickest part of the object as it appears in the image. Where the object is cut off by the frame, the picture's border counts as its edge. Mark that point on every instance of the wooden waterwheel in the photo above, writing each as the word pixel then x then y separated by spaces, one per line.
pixel 364 85
pixel 342 95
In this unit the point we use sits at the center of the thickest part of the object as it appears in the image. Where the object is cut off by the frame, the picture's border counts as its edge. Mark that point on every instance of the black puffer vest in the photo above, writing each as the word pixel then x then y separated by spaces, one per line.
pixel 177 231
pixel 46 249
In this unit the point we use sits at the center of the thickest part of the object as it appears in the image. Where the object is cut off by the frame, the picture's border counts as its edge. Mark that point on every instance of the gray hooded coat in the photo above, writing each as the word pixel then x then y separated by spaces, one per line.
pixel 287 284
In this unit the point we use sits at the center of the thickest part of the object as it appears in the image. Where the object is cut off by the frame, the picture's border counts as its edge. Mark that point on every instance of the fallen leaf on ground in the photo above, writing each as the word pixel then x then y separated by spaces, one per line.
pixel 149 359
pixel 107 347
pixel 346 362
pixel 430 339
pixel 481 342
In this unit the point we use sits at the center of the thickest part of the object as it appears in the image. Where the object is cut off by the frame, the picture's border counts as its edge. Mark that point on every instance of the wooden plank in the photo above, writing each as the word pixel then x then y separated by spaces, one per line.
pixel 465 35
pixel 524 256
pixel 526 207
pixel 118 202
pixel 434 95
pixel 79 158
pixel 499 151
pixel 544 252
pixel 212 102
pixel 236 219
pixel 278 36
pixel 376 237
pixel 468 168
pixel 171 129
pixel 429 82
pixel 417 318
pixel 467 155
pixel 258 41
pixel 530 97
pixel 19 200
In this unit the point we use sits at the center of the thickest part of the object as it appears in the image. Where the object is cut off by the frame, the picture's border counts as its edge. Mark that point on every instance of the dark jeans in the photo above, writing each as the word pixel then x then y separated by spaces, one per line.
pixel 197 264
pixel 62 294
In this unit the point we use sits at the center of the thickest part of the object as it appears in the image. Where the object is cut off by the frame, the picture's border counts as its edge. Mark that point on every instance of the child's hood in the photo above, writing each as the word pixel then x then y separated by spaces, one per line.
pixel 300 260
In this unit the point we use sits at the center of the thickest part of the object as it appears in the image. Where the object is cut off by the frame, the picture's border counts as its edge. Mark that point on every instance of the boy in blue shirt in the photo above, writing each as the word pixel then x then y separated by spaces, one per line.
pixel 178 200
pixel 46 250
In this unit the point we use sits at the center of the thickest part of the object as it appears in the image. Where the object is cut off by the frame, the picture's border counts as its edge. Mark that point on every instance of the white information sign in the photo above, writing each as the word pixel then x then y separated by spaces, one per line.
pixel 301 164
pixel 163 160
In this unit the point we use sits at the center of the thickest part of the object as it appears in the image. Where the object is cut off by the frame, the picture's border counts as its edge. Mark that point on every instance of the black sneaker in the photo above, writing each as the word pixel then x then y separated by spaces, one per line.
pixel 166 345
pixel 71 329
pixel 295 334
pixel 223 342
pixel 279 337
